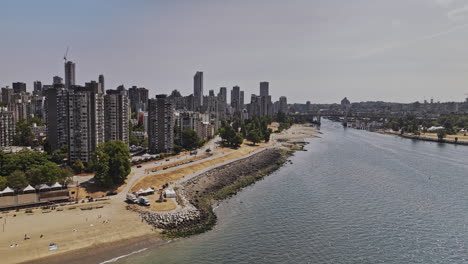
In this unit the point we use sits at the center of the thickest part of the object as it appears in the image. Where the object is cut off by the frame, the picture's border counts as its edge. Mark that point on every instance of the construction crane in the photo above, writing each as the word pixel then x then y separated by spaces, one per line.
pixel 65 56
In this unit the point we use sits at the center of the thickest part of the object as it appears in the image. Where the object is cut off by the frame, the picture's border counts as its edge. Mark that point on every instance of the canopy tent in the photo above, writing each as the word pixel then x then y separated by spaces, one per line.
pixel 29 188
pixel 145 192
pixel 44 187
pixel 56 186
pixel 7 190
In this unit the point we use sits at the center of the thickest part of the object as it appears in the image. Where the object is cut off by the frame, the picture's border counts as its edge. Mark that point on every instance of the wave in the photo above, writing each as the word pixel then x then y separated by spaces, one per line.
pixel 123 256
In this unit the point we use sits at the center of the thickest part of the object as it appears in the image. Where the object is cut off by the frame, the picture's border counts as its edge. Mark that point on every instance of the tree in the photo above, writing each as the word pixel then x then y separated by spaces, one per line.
pixel 48 173
pixel 189 139
pixel 24 135
pixel 112 163
pixel 237 140
pixel 3 183
pixel 78 166
pixel 253 136
pixel 134 141
pixel 267 135
pixel 17 180
pixel 441 133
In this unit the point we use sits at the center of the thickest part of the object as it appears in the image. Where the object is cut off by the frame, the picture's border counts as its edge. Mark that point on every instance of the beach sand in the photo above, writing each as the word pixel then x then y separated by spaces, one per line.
pixel 58 227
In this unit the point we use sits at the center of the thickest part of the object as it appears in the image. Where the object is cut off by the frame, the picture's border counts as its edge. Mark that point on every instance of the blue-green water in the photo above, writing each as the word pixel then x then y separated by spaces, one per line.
pixel 353 197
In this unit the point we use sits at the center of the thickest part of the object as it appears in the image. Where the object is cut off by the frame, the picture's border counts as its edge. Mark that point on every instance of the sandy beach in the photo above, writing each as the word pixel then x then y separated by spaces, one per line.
pixel 100 234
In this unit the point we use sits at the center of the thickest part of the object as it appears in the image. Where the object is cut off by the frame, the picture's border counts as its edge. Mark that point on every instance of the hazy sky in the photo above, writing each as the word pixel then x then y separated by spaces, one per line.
pixel 392 50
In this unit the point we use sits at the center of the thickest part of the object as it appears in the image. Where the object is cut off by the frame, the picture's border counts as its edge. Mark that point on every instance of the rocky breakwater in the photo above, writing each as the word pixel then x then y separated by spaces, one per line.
pixel 171 220
pixel 216 184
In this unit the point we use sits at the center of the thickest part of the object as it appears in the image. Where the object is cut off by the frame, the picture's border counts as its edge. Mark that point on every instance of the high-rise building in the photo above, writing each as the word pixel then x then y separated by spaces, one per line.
pixel 19 87
pixel 21 106
pixel 222 102
pixel 7 95
pixel 222 95
pixel 57 116
pixel 264 89
pixel 116 115
pixel 95 87
pixel 266 105
pixel 85 122
pixel 160 124
pixel 7 127
pixel 57 80
pixel 235 98
pixel 69 74
pixel 198 89
pixel 283 104
pixel 101 81
pixel 138 99
pixel 241 100
pixel 37 88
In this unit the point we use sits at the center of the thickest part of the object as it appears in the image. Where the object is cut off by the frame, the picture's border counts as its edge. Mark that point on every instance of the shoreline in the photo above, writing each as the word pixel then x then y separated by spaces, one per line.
pixel 218 184
pixel 423 138
pixel 104 253
pixel 119 246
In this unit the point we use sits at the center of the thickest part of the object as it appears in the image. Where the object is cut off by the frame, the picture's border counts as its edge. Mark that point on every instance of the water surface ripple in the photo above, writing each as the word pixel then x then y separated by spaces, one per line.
pixel 353 197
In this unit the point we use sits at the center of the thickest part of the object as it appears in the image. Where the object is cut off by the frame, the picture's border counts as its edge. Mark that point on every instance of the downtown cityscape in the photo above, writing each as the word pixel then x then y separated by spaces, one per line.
pixel 233 132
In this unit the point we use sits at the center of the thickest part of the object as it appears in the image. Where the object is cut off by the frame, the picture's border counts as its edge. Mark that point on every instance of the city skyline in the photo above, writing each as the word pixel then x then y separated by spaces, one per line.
pixel 318 56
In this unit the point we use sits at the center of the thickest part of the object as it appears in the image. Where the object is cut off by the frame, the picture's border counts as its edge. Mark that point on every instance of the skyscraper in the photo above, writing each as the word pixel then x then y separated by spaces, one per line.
pixel 264 88
pixel 7 95
pixel 57 80
pixel 19 87
pixel 222 95
pixel 138 99
pixel 283 104
pixel 241 100
pixel 101 81
pixel 85 122
pixel 37 88
pixel 116 115
pixel 235 98
pixel 7 127
pixel 57 116
pixel 69 74
pixel 160 124
pixel 198 89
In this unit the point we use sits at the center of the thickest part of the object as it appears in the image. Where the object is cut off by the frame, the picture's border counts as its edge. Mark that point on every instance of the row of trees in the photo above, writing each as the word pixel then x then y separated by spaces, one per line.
pixel 410 124
pixel 28 167
pixel 255 130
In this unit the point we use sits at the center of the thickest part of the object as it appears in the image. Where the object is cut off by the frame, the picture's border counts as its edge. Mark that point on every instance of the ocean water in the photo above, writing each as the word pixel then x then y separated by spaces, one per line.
pixel 352 197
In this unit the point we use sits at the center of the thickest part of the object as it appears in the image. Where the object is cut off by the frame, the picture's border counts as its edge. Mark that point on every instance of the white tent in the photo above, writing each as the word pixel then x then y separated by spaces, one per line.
pixel 56 185
pixel 170 193
pixel 44 187
pixel 8 190
pixel 28 188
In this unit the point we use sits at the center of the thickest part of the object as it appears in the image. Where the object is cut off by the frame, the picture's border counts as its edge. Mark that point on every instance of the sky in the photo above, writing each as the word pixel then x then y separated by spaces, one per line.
pixel 309 50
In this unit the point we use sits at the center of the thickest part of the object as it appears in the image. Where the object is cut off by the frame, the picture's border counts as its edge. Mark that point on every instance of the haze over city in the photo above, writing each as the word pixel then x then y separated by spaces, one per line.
pixel 402 51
